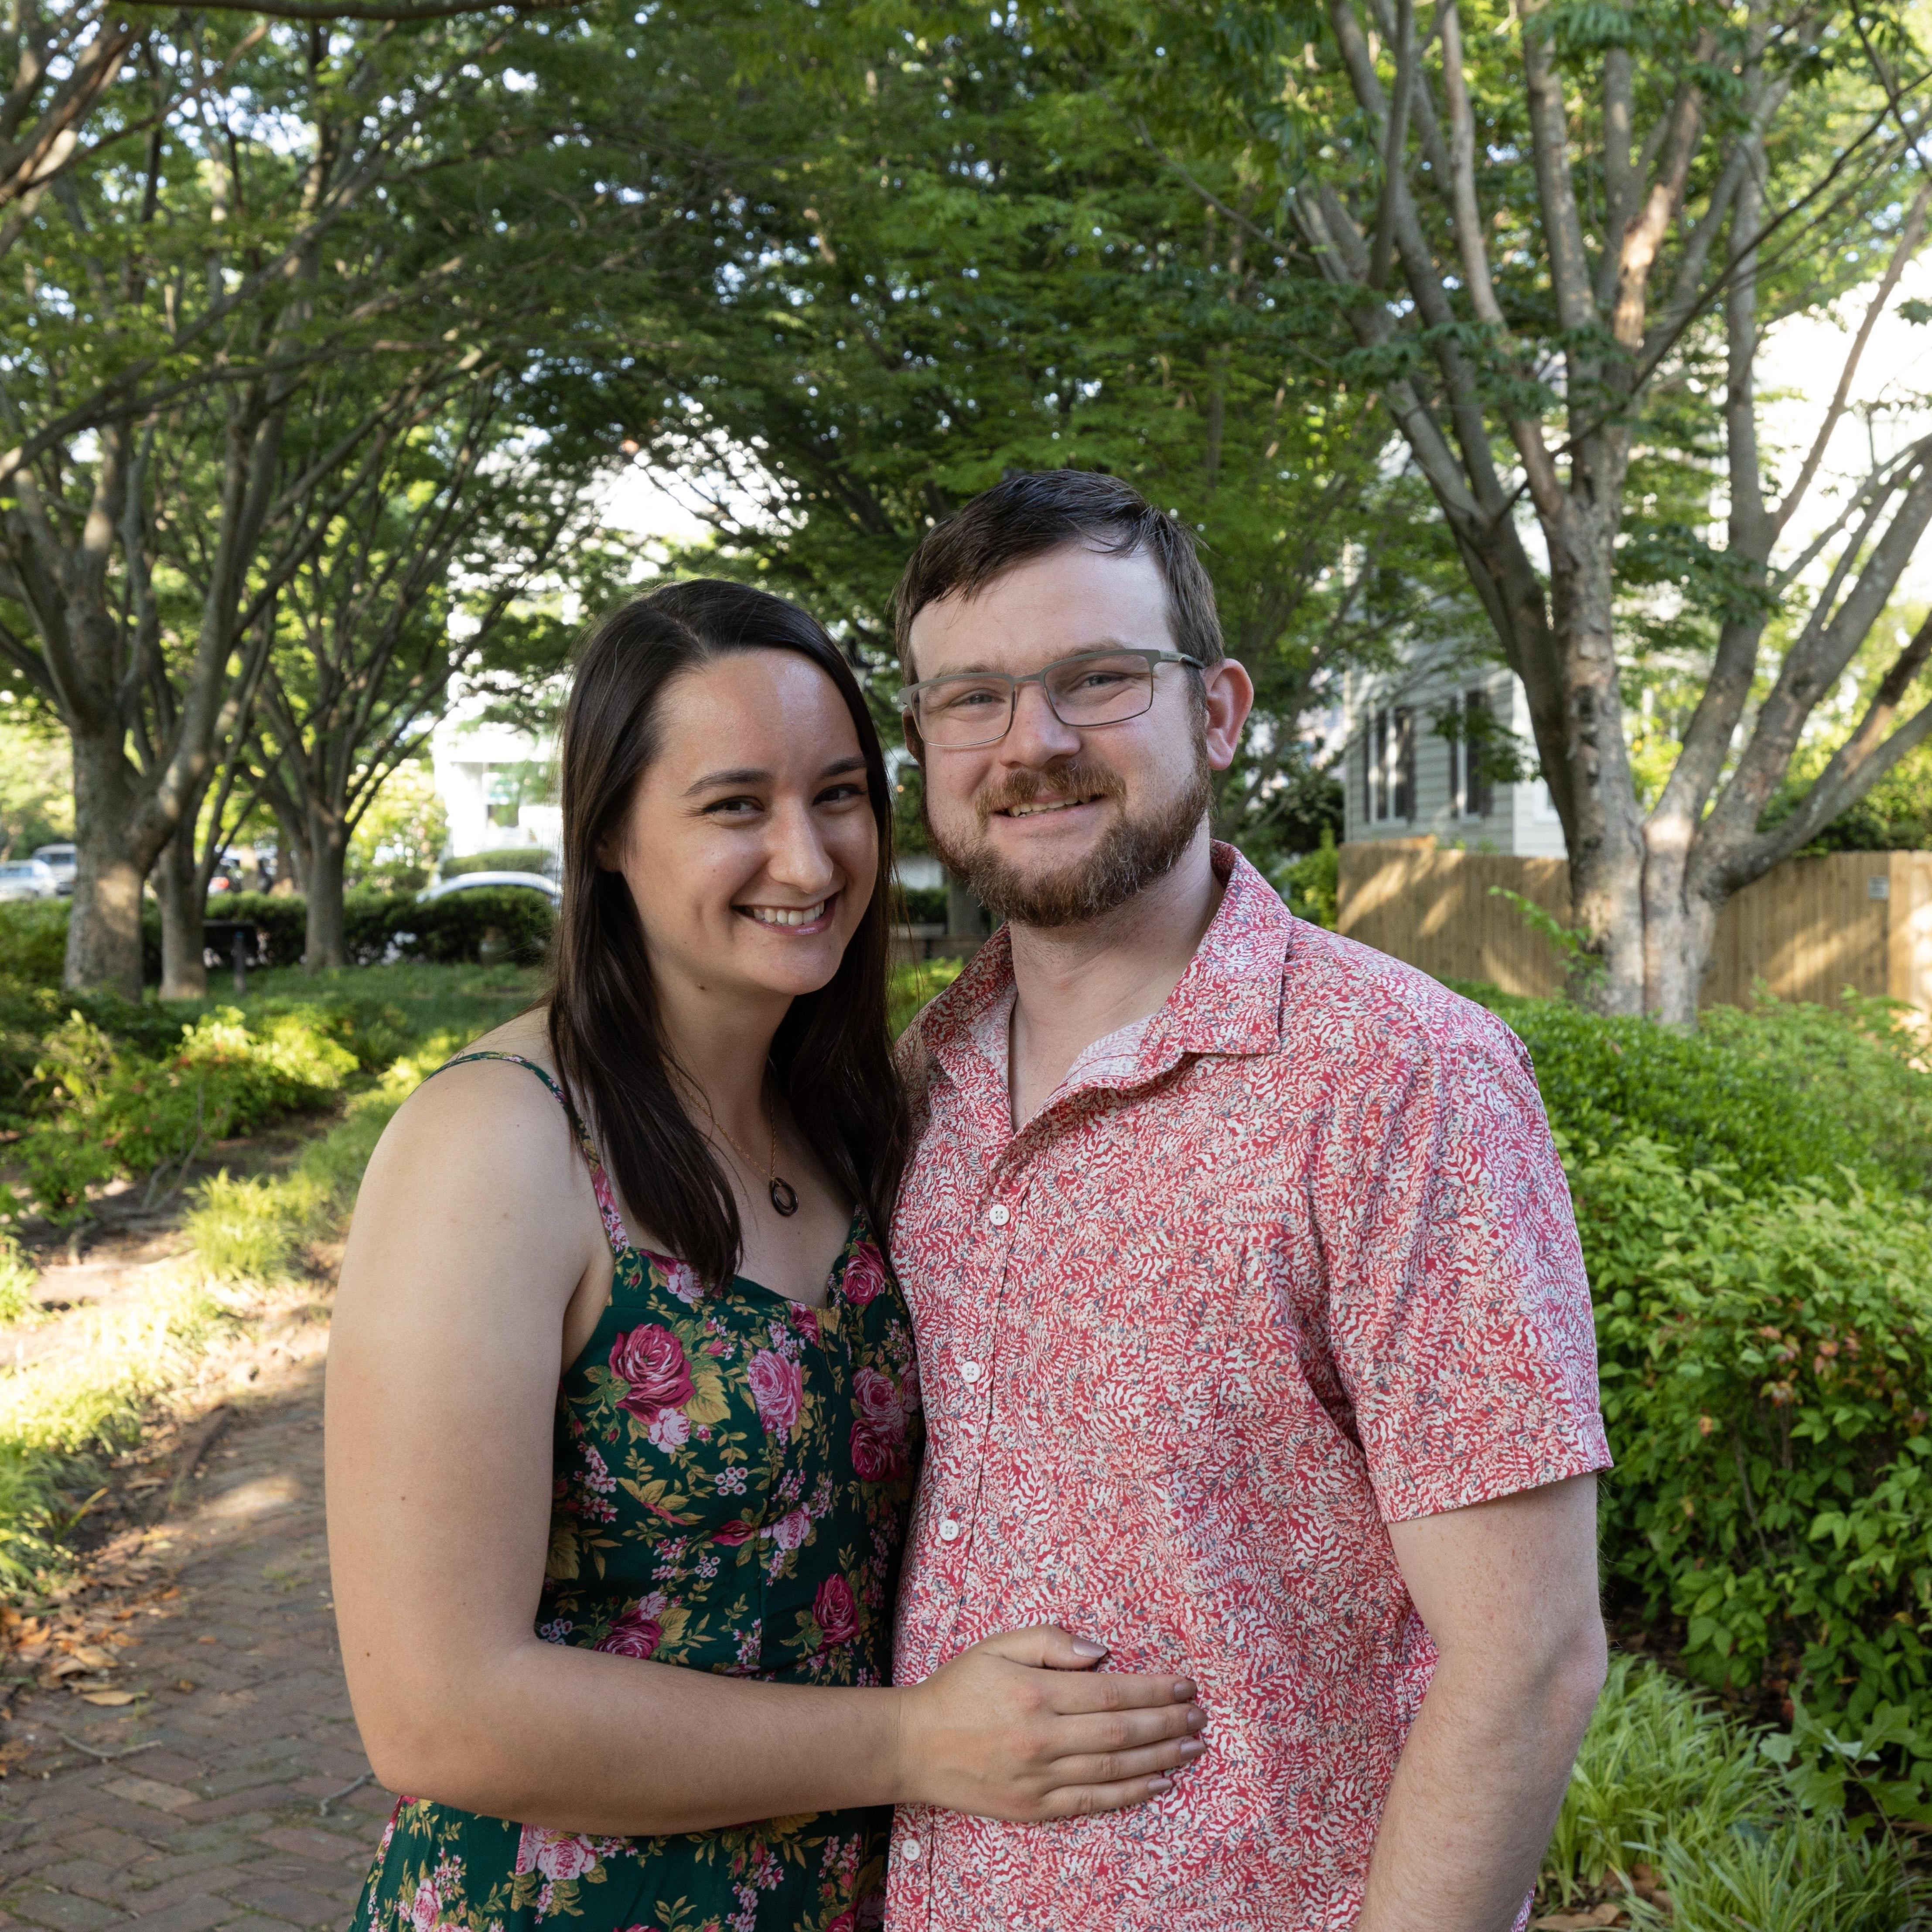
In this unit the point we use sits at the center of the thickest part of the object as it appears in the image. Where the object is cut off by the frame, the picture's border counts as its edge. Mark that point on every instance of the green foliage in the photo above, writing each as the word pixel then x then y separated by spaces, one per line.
pixel 491 923
pixel 1784 1092
pixel 912 986
pixel 925 905
pixel 503 859
pixel 33 941
pixel 1666 1781
pixel 1767 1376
pixel 104 1113
pixel 1311 884
pixel 36 785
pixel 18 1278
pixel 62 1413
pixel 253 1229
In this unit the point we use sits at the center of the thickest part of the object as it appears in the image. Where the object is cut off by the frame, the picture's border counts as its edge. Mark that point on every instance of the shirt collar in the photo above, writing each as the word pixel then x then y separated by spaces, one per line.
pixel 1229 1001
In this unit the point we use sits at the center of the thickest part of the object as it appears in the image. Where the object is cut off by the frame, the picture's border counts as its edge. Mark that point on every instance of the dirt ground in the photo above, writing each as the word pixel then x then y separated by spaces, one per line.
pixel 178 1747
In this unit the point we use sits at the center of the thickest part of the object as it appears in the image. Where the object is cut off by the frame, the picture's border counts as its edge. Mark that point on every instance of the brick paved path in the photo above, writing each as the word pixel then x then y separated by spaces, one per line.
pixel 229 1641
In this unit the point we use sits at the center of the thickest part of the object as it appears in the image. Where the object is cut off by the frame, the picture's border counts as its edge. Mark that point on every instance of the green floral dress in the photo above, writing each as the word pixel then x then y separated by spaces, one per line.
pixel 732 1477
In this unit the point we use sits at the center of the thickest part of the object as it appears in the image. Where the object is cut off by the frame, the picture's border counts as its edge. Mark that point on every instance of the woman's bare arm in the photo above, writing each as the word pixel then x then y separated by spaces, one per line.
pixel 474 1230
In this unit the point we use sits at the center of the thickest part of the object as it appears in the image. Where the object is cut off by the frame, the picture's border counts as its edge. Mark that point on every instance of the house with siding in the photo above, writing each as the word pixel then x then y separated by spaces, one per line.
pixel 1406 776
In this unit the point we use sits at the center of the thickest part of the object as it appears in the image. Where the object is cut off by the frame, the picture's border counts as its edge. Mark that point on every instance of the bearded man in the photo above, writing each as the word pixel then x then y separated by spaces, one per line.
pixel 1254 1335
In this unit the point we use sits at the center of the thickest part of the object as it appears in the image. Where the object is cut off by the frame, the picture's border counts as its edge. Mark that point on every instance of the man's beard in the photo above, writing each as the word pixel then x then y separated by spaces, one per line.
pixel 1135 853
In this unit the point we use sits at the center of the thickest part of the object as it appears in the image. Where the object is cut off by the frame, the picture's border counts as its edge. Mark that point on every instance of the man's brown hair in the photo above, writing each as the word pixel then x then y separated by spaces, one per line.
pixel 1029 512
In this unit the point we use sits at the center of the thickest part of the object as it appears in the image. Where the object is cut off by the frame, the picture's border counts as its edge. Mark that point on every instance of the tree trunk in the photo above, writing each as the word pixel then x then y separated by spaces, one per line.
pixel 179 883
pixel 326 943
pixel 103 934
pixel 291 851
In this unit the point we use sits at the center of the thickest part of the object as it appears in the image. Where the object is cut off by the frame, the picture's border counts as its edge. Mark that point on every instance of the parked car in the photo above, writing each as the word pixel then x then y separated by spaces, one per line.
pixel 60 860
pixel 473 882
pixel 27 879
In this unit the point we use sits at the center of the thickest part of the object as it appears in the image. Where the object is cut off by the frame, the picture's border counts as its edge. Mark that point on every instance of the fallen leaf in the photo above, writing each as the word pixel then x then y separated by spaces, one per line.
pixel 184 1683
pixel 92 1657
pixel 115 1697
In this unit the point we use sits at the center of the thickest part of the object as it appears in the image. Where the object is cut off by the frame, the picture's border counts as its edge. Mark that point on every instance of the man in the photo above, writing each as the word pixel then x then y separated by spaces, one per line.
pixel 1253 1331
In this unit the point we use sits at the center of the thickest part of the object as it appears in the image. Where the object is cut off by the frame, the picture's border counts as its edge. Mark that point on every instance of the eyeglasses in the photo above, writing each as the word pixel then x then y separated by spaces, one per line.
pixel 965 709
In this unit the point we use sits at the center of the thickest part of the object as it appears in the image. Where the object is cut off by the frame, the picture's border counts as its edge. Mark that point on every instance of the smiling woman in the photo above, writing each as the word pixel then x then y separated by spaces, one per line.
pixel 616 1577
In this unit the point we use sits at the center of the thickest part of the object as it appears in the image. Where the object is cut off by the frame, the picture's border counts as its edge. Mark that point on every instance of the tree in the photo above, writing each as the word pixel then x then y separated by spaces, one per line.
pixel 941 253
pixel 413 582
pixel 1561 235
pixel 292 212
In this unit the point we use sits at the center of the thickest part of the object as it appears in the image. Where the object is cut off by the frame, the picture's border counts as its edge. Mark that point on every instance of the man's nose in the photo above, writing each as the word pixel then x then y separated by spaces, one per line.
pixel 1036 737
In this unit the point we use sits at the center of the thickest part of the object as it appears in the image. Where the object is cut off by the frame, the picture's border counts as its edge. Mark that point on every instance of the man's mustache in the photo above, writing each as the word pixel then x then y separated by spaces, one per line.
pixel 1076 778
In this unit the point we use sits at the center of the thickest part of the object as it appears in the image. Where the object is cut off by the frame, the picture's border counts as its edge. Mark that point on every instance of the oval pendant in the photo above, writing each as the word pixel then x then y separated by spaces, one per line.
pixel 785 1196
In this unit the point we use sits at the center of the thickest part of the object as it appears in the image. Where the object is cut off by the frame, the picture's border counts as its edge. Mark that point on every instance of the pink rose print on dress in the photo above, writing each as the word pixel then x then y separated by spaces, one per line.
pixel 557 1855
pixel 864 1274
pixel 636 1633
pixel 732 1533
pixel 876 1398
pixel 425 1909
pixel 671 1430
pixel 778 1387
pixel 651 1360
pixel 876 1458
pixel 878 1436
pixel 791 1529
pixel 836 1611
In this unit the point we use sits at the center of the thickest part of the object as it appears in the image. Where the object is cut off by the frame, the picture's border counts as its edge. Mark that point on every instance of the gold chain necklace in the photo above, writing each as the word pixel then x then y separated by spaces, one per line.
pixel 785 1196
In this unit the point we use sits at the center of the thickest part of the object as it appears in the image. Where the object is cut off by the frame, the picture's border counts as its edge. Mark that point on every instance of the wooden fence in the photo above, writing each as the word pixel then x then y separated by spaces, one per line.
pixel 1805 931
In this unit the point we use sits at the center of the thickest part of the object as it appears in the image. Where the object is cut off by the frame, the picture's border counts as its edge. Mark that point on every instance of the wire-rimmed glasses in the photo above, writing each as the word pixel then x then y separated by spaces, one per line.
pixel 965 708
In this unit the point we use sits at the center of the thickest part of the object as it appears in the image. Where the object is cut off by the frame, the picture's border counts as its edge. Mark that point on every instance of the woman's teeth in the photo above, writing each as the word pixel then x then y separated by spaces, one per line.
pixel 787 915
pixel 1028 811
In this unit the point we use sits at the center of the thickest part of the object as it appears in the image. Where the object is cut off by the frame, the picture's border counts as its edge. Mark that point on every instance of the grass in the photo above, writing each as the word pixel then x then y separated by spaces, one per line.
pixel 60 1414
pixel 1668 1786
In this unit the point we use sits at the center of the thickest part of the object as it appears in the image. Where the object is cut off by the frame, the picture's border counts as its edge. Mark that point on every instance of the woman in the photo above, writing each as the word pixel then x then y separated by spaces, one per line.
pixel 623 1410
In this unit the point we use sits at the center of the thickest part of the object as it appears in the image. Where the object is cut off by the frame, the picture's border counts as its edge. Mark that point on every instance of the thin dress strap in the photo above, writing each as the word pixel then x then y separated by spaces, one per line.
pixel 600 1181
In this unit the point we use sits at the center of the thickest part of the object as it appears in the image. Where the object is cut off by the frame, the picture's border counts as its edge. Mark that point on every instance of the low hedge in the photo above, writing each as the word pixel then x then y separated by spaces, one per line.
pixel 503 859
pixel 1781 1093
pixel 455 929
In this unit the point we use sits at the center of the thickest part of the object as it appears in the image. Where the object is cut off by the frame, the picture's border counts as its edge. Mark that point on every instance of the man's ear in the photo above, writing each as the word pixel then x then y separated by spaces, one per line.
pixel 915 744
pixel 1228 694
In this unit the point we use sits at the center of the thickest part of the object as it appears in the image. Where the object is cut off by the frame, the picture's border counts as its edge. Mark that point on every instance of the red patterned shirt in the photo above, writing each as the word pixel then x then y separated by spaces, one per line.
pixel 1290 1261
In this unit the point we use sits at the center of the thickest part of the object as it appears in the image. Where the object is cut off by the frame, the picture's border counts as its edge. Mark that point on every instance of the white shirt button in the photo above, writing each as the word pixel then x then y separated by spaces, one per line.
pixel 998 1214
pixel 969 1371
pixel 909 1851
pixel 948 1532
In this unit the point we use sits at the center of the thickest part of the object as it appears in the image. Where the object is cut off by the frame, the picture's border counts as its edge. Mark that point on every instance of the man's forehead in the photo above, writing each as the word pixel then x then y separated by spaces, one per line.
pixel 1070 599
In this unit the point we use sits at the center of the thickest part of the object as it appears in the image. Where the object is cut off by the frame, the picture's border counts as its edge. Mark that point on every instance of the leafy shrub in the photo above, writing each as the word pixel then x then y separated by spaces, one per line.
pixel 503 859
pixel 33 941
pixel 1767 1376
pixel 114 1113
pixel 1809 1875
pixel 457 927
pixel 925 905
pixel 18 1278
pixel 1779 1093
pixel 1311 884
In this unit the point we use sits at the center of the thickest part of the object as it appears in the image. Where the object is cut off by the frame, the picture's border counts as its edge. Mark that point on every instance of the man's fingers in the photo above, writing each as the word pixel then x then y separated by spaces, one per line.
pixel 1045 1647
pixel 1110 1690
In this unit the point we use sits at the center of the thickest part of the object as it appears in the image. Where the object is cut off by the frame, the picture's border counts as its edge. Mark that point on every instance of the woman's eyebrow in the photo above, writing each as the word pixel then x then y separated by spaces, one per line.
pixel 750 775
pixel 743 775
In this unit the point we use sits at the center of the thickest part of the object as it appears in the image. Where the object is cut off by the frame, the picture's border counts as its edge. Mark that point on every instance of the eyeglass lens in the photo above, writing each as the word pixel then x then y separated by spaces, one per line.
pixel 974 710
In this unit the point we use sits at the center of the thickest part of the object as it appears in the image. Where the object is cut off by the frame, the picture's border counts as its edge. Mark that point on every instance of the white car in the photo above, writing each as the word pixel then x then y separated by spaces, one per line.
pixel 27 879
pixel 61 861
pixel 471 882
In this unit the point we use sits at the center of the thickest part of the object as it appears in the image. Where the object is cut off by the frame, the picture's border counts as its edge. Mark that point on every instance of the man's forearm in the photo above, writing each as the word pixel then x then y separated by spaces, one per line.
pixel 1476 1792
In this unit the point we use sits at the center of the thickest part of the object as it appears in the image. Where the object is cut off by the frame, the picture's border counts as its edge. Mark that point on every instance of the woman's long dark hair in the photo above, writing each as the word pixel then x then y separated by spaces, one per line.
pixel 833 1054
